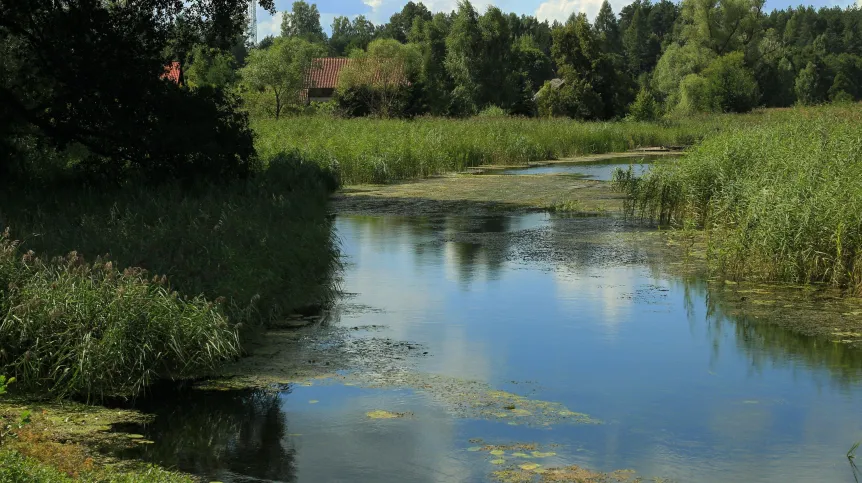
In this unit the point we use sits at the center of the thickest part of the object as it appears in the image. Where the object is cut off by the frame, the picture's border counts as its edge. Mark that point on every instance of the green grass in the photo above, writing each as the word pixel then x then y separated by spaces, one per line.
pixel 17 468
pixel 142 283
pixel 380 151
pixel 265 246
pixel 781 201
pixel 70 327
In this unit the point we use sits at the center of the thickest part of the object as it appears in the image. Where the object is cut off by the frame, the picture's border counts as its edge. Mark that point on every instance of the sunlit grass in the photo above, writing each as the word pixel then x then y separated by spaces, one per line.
pixel 781 201
pixel 380 151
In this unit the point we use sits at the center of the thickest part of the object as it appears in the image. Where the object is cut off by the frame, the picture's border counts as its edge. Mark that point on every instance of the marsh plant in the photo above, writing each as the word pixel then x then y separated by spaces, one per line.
pixel 381 151
pixel 70 327
pixel 265 245
pixel 781 201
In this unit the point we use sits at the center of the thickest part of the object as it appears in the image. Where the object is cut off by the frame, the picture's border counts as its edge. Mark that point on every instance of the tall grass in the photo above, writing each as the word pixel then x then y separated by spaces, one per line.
pixel 379 151
pixel 782 200
pixel 69 327
pixel 240 254
pixel 265 245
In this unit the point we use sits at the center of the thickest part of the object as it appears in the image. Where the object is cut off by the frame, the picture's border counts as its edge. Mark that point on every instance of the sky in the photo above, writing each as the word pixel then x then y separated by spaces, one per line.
pixel 379 11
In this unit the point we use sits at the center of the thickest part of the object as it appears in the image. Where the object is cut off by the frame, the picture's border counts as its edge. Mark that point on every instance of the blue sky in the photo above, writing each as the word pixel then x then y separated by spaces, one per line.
pixel 379 11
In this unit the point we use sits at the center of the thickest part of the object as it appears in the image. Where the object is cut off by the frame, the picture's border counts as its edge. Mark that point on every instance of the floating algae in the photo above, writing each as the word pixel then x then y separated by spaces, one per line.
pixel 380 414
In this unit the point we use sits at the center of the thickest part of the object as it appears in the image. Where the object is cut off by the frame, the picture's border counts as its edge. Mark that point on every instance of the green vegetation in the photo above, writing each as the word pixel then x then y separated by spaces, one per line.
pixel 17 468
pixel 781 201
pixel 378 151
pixel 263 244
pixel 70 327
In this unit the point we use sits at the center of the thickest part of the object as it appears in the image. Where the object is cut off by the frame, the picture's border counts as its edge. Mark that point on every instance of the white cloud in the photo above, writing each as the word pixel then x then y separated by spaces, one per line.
pixel 374 4
pixel 271 25
pixel 561 9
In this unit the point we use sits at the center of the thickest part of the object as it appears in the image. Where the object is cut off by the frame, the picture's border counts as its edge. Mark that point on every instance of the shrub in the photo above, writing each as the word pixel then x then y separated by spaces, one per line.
pixel 77 328
pixel 645 107
pixel 731 86
pixel 493 112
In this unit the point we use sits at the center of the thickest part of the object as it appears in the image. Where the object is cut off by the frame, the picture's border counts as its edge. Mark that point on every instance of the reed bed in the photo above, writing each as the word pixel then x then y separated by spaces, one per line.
pixel 264 245
pixel 70 327
pixel 160 281
pixel 781 201
pixel 381 151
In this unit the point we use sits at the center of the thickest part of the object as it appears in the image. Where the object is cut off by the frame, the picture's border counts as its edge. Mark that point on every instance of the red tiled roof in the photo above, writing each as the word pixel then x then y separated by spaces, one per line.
pixel 173 72
pixel 324 72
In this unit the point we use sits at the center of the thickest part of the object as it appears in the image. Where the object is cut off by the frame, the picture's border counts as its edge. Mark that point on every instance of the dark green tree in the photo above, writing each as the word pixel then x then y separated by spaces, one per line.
pixel 303 22
pixel 464 60
pixel 608 29
pixel 87 73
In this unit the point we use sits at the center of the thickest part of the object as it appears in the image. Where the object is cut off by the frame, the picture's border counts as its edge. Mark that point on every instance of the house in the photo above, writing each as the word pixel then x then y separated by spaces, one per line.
pixel 322 79
pixel 174 73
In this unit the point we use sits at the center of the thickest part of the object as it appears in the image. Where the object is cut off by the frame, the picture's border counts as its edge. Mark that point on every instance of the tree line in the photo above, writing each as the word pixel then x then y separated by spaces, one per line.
pixel 647 60
pixel 88 73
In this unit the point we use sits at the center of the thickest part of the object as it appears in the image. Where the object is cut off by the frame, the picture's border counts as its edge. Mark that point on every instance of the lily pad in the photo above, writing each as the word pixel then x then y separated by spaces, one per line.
pixel 473 449
pixel 498 452
pixel 521 455
pixel 313 401
pixel 528 466
pixel 499 461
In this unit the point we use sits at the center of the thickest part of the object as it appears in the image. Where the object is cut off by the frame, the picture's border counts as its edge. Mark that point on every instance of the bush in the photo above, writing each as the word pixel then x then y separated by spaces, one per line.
pixel 493 112
pixel 645 108
pixel 731 86
pixel 75 328
pixel 573 98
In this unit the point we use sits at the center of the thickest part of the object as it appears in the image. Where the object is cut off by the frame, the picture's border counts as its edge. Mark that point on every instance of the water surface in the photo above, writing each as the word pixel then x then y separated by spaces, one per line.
pixel 557 309
pixel 595 170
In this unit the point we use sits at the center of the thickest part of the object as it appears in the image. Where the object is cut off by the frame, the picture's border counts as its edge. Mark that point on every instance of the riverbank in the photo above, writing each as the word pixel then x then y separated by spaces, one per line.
pixel 779 202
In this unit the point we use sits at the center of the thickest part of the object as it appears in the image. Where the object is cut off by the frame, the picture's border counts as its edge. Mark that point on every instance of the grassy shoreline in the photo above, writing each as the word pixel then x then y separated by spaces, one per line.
pixel 383 151
pixel 780 202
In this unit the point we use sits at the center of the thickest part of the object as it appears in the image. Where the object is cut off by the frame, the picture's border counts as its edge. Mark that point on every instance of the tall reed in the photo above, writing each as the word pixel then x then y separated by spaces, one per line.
pixel 266 245
pixel 782 201
pixel 379 151
pixel 69 327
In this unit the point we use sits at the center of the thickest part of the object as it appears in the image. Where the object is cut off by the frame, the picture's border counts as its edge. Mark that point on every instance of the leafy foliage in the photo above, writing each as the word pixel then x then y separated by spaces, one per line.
pixel 275 77
pixel 103 89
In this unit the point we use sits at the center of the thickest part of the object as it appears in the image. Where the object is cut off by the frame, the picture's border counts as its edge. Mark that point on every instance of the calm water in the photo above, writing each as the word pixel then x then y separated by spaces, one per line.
pixel 557 309
pixel 599 170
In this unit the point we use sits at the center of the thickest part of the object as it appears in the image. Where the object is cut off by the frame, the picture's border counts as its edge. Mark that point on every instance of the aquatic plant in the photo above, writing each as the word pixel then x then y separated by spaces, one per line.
pixel 5 383
pixel 380 151
pixel 265 245
pixel 781 201
pixel 851 457
pixel 75 328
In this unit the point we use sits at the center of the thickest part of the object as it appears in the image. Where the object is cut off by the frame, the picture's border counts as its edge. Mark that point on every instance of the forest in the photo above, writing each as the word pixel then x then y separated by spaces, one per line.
pixel 646 61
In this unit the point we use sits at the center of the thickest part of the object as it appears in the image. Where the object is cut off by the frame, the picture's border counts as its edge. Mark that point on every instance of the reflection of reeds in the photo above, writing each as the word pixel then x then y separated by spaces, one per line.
pixel 851 457
pixel 208 431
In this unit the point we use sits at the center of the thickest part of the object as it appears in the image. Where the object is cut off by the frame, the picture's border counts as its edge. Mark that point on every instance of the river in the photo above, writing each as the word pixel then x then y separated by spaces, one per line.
pixel 530 342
